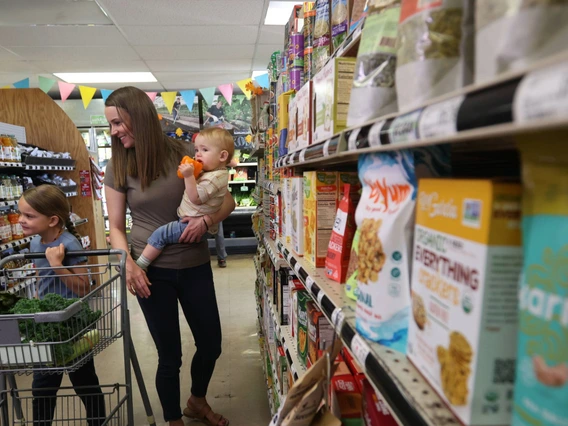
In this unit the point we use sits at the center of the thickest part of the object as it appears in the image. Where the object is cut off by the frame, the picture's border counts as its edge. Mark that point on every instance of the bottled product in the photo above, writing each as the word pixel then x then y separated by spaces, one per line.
pixel 17 231
pixel 5 229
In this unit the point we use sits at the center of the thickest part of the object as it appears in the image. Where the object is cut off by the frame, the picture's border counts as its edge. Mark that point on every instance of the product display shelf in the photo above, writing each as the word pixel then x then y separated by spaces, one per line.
pixel 71 194
pixel 247 164
pixel 80 222
pixel 290 348
pixel 350 45
pixel 272 372
pixel 22 284
pixel 272 187
pixel 49 168
pixel 267 378
pixel 411 399
pixel 11 164
pixel 256 198
pixel 16 243
pixel 234 182
pixel 273 253
pixel 478 117
pixel 258 150
pixel 9 203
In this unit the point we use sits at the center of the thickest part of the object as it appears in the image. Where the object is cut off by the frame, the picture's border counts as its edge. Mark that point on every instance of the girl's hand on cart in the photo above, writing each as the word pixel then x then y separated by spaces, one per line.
pixel 196 228
pixel 55 255
pixel 136 280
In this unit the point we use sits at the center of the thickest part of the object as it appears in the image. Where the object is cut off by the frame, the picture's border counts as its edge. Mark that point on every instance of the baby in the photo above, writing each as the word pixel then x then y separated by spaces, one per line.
pixel 214 149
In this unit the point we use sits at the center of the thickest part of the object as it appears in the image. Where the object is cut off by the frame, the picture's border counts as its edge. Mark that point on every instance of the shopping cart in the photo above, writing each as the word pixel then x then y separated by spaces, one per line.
pixel 66 337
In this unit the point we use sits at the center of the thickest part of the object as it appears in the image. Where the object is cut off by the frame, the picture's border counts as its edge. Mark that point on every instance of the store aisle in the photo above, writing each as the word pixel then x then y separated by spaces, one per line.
pixel 238 389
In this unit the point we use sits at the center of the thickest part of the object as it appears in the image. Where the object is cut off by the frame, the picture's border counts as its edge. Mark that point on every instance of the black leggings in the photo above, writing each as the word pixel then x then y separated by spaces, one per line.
pixel 194 289
pixel 45 387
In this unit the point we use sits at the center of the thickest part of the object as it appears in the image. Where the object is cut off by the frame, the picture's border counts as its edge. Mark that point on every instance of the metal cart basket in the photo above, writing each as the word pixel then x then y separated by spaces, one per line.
pixel 48 332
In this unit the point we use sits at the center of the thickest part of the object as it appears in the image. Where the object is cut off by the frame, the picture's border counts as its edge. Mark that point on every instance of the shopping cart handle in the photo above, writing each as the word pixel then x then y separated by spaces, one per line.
pixel 77 253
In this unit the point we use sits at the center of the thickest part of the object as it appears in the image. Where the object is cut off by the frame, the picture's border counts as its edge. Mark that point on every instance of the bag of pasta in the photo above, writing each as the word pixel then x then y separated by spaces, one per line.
pixel 322 36
pixel 373 94
pixel 435 49
pixel 511 35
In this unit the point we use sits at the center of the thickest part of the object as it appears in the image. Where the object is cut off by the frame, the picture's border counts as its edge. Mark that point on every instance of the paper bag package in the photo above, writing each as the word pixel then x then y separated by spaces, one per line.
pixel 466 265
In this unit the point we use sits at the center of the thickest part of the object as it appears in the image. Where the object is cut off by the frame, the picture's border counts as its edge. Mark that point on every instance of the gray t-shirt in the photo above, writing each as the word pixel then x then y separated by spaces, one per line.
pixel 152 208
pixel 48 283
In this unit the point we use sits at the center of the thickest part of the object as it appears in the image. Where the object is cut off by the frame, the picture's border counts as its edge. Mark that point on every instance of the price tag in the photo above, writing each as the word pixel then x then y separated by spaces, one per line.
pixel 244 188
pixel 440 119
pixel 297 267
pixel 303 155
pixel 375 133
pixel 337 318
pixel 309 283
pixel 352 142
pixel 360 349
pixel 326 148
pixel 232 171
pixel 542 94
pixel 230 189
pixel 320 296
pixel 405 128
pixel 290 257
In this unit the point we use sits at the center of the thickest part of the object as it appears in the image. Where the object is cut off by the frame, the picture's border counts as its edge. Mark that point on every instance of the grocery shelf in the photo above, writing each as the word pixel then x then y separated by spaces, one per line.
pixel 49 168
pixel 350 45
pixel 21 285
pixel 80 221
pixel 246 164
pixel 257 151
pixel 71 194
pixel 9 203
pixel 478 117
pixel 15 243
pixel 234 182
pixel 11 164
pixel 411 399
pixel 273 252
pixel 256 198
pixel 290 348
pixel 272 187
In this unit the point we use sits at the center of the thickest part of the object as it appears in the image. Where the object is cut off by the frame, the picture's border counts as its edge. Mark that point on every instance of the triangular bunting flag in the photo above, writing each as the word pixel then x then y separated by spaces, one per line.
pixel 188 96
pixel 105 94
pixel 227 92
pixel 87 94
pixel 169 99
pixel 22 84
pixel 6 87
pixel 263 81
pixel 65 90
pixel 208 95
pixel 152 95
pixel 45 83
pixel 242 84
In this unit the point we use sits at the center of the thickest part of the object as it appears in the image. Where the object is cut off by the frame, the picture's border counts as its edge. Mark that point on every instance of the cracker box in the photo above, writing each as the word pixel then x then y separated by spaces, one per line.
pixel 332 90
pixel 304 116
pixel 320 333
pixel 320 207
pixel 375 411
pixel 297 214
pixel 466 265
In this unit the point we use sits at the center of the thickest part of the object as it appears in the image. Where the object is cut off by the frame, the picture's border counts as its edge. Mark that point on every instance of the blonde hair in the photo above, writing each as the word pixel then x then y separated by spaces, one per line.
pixel 154 153
pixel 221 138
pixel 49 200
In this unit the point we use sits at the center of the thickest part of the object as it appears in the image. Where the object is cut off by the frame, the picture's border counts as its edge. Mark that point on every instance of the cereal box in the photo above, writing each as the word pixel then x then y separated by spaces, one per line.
pixel 466 265
pixel 302 327
pixel 332 90
pixel 304 116
pixel 320 207
pixel 541 386
pixel 282 110
pixel 291 142
pixel 297 214
pixel 320 333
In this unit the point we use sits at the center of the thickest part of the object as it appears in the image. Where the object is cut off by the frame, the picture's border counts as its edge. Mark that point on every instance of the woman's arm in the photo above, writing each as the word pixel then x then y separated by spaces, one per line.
pixel 136 279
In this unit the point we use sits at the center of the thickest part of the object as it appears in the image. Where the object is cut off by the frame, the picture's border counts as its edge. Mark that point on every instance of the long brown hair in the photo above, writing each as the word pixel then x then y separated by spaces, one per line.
pixel 154 153
pixel 49 200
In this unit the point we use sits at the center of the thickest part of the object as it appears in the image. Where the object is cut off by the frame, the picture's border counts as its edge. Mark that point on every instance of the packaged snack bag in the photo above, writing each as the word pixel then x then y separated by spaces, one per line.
pixel 302 327
pixel 541 386
pixel 339 21
pixel 358 13
pixel 435 49
pixel 385 219
pixel 351 284
pixel 322 36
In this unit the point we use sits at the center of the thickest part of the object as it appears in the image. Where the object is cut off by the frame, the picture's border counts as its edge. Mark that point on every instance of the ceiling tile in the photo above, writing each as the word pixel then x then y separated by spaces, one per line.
pixel 68 35
pixel 271 34
pixel 139 35
pixel 19 66
pixel 223 77
pixel 184 12
pixel 194 52
pixel 93 65
pixel 221 65
pixel 53 12
pixel 6 55
pixel 64 53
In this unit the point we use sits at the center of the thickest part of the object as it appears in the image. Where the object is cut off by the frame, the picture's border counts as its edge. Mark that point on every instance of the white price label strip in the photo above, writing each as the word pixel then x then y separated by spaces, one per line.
pixel 404 128
pixel 290 257
pixel 326 148
pixel 320 296
pixel 303 155
pixel 352 142
pixel 440 119
pixel 297 267
pixel 337 318
pixel 360 349
pixel 309 283
pixel 542 94
pixel 375 134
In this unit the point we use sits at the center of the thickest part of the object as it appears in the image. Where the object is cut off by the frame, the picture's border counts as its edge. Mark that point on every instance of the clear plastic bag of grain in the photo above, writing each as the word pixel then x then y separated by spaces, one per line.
pixel 322 36
pixel 513 34
pixel 435 49
pixel 373 94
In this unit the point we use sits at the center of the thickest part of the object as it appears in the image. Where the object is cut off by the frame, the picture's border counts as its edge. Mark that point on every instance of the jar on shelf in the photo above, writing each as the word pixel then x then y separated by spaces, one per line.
pixel 16 151
pixel 8 192
pixel 7 148
pixel 17 231
pixel 15 188
pixel 5 229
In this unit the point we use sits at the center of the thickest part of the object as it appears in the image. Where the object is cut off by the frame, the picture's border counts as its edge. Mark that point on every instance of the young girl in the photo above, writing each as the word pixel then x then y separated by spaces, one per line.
pixel 45 214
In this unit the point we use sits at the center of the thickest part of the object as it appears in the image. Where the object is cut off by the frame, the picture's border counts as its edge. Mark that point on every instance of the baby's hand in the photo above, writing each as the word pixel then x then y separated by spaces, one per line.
pixel 186 170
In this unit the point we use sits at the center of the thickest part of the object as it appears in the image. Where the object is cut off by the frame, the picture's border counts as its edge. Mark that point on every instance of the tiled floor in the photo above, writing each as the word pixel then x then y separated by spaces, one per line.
pixel 237 390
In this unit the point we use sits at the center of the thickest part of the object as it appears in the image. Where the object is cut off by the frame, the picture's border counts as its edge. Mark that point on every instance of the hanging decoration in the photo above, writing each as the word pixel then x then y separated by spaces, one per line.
pixel 243 86
pixel 208 95
pixel 22 84
pixel 45 84
pixel 65 90
pixel 189 97
pixel 105 94
pixel 87 94
pixel 227 92
pixel 169 99
pixel 152 95
pixel 263 81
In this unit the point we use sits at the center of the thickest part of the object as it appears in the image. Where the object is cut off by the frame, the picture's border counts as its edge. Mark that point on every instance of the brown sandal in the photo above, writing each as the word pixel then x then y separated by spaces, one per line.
pixel 205 414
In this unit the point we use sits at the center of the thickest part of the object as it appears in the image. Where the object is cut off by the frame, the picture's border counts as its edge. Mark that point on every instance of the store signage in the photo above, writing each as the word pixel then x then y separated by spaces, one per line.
pixel 98 120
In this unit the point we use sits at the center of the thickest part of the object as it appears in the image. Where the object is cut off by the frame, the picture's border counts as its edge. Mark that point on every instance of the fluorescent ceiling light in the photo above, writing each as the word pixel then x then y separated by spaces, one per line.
pixel 106 77
pixel 279 12
pixel 257 73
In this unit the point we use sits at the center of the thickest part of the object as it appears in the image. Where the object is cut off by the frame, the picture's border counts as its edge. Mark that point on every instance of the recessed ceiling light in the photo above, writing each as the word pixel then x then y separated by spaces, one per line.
pixel 106 77
pixel 257 73
pixel 279 12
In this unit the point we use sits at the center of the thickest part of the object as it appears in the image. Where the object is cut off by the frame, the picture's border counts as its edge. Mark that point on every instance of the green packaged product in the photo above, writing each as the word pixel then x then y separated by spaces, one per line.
pixel 351 283
pixel 322 36
pixel 302 318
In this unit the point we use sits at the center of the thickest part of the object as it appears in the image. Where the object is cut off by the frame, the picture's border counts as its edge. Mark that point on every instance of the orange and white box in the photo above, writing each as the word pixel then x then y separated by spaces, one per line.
pixel 466 266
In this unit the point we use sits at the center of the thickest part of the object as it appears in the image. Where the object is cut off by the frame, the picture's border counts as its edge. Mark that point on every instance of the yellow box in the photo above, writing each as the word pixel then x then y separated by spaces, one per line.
pixel 466 265
pixel 282 110
pixel 320 207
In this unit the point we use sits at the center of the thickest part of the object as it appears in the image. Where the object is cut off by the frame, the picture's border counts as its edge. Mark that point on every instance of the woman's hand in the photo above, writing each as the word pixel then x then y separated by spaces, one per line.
pixel 55 255
pixel 136 280
pixel 195 229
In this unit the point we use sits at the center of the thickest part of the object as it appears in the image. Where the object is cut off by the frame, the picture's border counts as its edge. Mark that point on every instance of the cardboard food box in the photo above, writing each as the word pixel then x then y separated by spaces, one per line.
pixel 320 333
pixel 286 186
pixel 332 90
pixel 294 285
pixel 291 141
pixel 283 296
pixel 282 110
pixel 302 327
pixel 375 411
pixel 466 265
pixel 320 207
pixel 304 116
pixel 352 178
pixel 297 214
pixel 345 396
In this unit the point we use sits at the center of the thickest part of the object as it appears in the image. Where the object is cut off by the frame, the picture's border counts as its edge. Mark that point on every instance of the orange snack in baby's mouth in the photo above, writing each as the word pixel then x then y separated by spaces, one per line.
pixel 197 166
